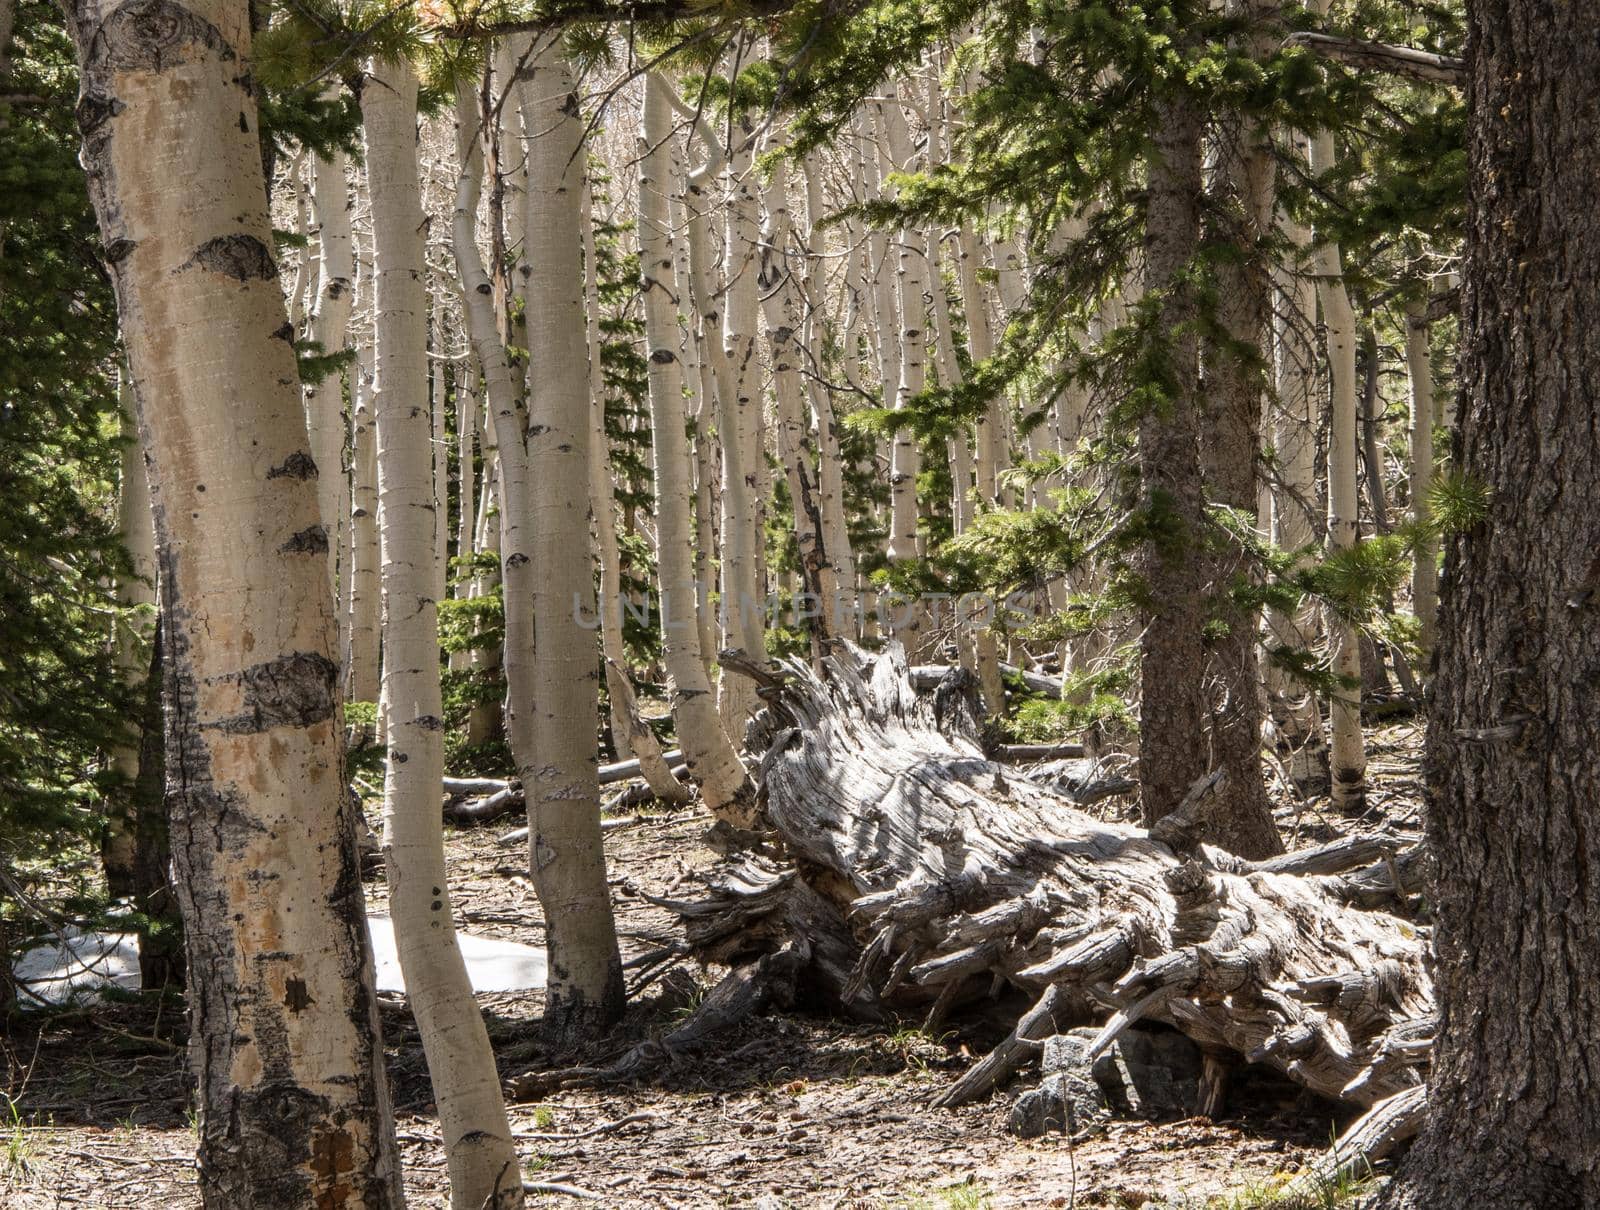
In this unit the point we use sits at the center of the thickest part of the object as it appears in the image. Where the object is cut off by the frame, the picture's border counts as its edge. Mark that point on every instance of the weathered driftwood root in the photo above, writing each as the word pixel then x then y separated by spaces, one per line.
pixel 925 875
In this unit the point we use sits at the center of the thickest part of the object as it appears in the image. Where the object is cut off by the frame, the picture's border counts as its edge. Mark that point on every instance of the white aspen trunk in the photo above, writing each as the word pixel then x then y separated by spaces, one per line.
pixel 285 1045
pixel 330 322
pixel 361 634
pixel 784 307
pixel 991 453
pixel 712 759
pixel 440 478
pixel 739 422
pixel 135 591
pixel 487 719
pixel 842 607
pixel 303 274
pixel 585 993
pixel 698 382
pixel 482 1159
pixel 912 296
pixel 466 468
pixel 1425 567
pixel 1294 498
pixel 629 732
pixel 1347 753
pixel 512 55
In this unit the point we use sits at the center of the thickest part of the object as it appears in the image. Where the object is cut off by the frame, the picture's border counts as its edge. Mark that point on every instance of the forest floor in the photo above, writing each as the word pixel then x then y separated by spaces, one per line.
pixel 786 1110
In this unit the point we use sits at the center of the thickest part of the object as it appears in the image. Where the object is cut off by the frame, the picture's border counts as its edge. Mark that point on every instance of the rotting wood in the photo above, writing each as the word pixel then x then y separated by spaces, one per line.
pixel 949 875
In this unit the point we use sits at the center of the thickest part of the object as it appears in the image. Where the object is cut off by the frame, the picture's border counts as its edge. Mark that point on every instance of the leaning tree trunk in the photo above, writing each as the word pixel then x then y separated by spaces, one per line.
pixel 1513 755
pixel 558 771
pixel 482 1158
pixel 924 876
pixel 294 1110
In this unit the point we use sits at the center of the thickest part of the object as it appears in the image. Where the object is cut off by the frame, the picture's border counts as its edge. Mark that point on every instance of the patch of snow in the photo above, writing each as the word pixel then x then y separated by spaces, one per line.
pixel 80 965
pixel 492 965
pixel 76 968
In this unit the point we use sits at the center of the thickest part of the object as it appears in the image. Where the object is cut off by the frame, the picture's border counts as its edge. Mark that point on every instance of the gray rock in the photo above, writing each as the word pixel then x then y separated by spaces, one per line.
pixel 1151 1074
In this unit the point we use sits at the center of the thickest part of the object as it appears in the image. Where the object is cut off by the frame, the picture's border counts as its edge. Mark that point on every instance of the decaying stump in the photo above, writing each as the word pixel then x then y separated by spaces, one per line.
pixel 922 875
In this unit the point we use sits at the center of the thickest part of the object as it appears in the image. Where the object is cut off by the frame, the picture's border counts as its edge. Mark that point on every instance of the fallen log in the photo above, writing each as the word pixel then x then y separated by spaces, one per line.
pixel 1023 752
pixel 928 676
pixel 508 800
pixel 937 876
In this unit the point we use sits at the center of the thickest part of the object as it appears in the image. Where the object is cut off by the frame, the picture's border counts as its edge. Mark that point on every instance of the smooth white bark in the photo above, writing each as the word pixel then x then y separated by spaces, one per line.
pixel 479 1151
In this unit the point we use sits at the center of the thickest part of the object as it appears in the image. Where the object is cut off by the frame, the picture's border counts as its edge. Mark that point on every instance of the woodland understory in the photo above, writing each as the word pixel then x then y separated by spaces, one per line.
pixel 996 592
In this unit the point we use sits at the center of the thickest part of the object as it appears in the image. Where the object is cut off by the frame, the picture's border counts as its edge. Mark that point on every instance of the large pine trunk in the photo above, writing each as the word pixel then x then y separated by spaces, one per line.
pixel 1514 738
pixel 284 1031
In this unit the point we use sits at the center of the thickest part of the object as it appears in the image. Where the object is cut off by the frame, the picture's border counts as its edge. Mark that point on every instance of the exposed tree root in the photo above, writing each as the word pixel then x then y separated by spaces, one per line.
pixel 922 875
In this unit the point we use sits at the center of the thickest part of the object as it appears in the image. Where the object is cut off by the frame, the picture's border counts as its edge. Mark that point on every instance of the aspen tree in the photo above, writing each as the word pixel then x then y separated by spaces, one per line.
pixel 136 592
pixel 477 1137
pixel 330 321
pixel 784 306
pixel 740 424
pixel 361 631
pixel 1347 753
pixel 293 1106
pixel 712 760
pixel 630 733
pixel 557 762
pixel 830 461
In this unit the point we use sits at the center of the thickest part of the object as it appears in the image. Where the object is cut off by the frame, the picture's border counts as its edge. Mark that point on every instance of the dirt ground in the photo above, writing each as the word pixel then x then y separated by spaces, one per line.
pixel 785 1111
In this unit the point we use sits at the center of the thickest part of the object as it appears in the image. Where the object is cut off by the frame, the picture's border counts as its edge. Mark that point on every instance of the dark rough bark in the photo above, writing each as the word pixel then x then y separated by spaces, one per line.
pixel 1514 739
pixel 1241 216
pixel 1172 708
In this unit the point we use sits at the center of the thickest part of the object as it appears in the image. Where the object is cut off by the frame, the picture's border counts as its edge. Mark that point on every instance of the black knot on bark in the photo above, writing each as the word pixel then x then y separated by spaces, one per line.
pixel 155 35
pixel 298 465
pixel 242 257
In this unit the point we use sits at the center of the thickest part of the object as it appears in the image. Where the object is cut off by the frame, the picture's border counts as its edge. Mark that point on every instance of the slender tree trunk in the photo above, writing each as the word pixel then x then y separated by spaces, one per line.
pixel 843 605
pixel 284 1031
pixel 784 304
pixel 1241 206
pixel 912 277
pixel 1513 753
pixel 739 425
pixel 439 479
pixel 1172 706
pixel 1424 569
pixel 1294 497
pixel 585 992
pixel 712 760
pixel 136 593
pixel 477 1138
pixel 1347 753
pixel 361 634
pixel 330 322
pixel 630 733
